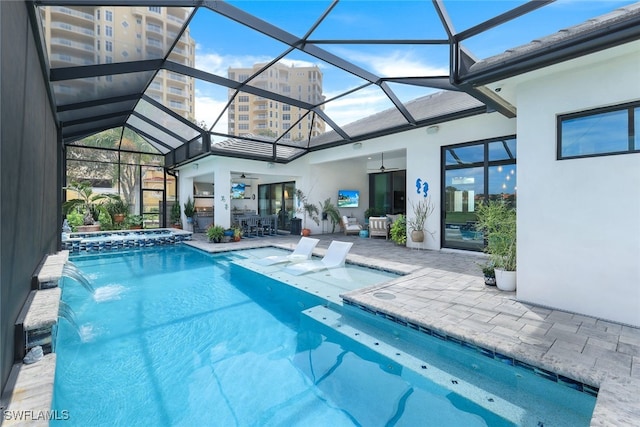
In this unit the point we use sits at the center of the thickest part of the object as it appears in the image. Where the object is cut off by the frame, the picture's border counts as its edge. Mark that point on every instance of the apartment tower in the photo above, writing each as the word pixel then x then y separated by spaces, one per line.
pixel 252 114
pixel 77 36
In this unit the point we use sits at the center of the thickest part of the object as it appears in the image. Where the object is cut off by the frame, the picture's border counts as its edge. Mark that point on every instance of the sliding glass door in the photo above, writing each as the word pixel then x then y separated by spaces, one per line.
pixel 277 199
pixel 387 192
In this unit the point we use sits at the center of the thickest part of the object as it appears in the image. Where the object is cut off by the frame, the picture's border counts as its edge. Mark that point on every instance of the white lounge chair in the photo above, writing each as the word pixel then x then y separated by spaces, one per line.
pixel 334 258
pixel 302 252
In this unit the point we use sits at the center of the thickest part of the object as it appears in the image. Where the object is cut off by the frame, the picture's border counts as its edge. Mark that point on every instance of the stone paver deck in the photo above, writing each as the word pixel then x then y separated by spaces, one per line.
pixel 444 291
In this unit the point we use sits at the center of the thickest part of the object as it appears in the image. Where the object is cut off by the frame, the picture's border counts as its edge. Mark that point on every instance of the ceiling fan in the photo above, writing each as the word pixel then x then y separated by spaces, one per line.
pixel 243 176
pixel 382 168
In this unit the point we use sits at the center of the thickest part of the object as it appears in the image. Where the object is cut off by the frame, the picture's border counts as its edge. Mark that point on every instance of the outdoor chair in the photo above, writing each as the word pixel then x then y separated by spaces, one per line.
pixel 350 226
pixel 302 252
pixel 379 226
pixel 254 228
pixel 334 257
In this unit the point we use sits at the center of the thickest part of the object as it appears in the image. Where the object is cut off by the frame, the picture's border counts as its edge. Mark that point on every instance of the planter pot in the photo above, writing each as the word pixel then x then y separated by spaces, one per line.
pixel 417 236
pixel 118 218
pixel 87 228
pixel 306 232
pixel 505 280
pixel 179 226
pixel 489 281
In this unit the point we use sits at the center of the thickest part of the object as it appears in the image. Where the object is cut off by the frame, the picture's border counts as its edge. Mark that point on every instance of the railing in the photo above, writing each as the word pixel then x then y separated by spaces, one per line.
pixel 73 28
pixel 72 12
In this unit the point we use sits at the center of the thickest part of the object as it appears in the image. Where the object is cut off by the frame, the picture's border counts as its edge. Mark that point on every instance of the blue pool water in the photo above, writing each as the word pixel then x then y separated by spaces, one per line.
pixel 174 337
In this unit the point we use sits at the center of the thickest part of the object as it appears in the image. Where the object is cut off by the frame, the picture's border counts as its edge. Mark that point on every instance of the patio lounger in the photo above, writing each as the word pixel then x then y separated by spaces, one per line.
pixel 334 258
pixel 302 252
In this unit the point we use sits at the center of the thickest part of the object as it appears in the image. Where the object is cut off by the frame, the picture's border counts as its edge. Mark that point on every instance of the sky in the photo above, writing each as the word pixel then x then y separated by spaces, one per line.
pixel 221 43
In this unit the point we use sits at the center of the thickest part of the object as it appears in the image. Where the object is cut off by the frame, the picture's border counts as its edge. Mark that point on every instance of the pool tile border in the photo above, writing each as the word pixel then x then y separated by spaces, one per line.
pixel 491 354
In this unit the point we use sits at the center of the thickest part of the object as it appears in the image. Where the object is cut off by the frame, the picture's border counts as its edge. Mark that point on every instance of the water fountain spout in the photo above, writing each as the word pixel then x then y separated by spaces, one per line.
pixel 65 312
pixel 71 271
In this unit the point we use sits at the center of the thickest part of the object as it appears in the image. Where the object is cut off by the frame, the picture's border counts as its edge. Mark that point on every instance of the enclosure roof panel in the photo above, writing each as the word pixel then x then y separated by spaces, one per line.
pixel 273 80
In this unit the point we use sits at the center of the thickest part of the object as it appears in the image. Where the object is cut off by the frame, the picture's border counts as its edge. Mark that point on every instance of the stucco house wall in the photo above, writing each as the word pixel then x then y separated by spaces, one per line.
pixel 578 219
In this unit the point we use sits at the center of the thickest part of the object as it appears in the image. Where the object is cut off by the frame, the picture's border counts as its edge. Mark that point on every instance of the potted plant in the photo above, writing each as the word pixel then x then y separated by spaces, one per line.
pixel 228 235
pixel 399 230
pixel 497 220
pixel 306 208
pixel 215 233
pixel 489 273
pixel 421 212
pixel 372 211
pixel 237 234
pixel 134 222
pixel 117 208
pixel 330 211
pixel 175 215
pixel 87 202
pixel 189 209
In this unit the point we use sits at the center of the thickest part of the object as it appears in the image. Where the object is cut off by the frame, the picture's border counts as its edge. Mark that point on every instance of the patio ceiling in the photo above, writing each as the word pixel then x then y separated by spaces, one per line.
pixel 419 68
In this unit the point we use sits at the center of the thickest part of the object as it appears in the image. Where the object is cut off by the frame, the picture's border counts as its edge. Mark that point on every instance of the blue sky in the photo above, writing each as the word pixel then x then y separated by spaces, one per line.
pixel 358 19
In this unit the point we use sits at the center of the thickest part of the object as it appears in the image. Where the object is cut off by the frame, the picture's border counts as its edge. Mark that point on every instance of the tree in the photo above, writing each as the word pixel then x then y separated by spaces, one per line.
pixel 97 158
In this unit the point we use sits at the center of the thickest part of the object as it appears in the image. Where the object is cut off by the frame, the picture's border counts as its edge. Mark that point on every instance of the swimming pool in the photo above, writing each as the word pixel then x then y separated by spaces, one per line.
pixel 174 336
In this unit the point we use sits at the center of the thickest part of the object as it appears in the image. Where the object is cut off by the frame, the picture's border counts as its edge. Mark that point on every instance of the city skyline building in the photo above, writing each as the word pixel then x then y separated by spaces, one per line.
pixel 257 115
pixel 80 36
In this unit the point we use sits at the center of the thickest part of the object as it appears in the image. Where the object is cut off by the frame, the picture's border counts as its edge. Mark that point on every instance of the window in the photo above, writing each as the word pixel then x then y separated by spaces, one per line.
pixel 97 44
pixel 243 98
pixel 286 117
pixel 108 46
pixel 125 24
pixel 474 172
pixel 243 126
pixel 612 130
pixel 243 117
pixel 98 29
pixel 97 14
pixel 243 108
pixel 108 31
pixel 108 16
pixel 155 9
pixel 286 107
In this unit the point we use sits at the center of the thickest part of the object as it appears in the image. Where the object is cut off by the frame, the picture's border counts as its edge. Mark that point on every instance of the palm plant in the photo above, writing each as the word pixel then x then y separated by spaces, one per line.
pixel 307 208
pixel 331 211
pixel 86 202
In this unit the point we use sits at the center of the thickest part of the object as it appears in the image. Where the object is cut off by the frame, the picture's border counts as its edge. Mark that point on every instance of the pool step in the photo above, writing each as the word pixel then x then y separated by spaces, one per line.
pixel 413 369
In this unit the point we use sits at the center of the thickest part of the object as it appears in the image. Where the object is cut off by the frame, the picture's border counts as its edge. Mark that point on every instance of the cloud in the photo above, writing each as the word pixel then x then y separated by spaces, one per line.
pixel 396 63
pixel 362 103
pixel 208 109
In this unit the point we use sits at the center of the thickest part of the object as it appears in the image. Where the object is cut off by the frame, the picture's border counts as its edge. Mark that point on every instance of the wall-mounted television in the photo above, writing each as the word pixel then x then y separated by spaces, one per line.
pixel 237 190
pixel 348 198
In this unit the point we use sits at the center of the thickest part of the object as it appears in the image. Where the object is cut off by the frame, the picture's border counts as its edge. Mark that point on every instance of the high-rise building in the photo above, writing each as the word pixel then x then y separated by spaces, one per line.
pixel 88 35
pixel 257 115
